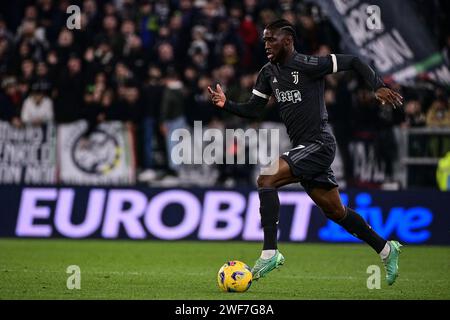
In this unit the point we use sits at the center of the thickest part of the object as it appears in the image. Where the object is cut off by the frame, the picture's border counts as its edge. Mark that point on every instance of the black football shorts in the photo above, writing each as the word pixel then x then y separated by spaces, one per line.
pixel 311 163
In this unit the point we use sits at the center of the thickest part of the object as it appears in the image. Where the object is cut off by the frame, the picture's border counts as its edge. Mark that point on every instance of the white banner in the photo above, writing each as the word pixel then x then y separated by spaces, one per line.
pixel 105 157
pixel 27 154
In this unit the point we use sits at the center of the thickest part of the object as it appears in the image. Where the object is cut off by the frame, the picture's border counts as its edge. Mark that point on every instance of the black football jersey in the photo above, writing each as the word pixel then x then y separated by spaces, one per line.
pixel 298 87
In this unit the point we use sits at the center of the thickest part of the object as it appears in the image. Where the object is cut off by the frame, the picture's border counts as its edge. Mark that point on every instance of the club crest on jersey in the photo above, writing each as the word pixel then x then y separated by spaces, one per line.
pixel 295 75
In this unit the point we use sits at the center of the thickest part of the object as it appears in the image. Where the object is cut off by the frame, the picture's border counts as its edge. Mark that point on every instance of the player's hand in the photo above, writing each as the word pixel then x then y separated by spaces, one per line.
pixel 388 96
pixel 217 97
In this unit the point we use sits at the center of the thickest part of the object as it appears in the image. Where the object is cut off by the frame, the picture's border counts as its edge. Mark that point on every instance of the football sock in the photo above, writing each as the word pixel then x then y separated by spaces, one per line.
pixel 269 210
pixel 385 252
pixel 357 226
pixel 267 254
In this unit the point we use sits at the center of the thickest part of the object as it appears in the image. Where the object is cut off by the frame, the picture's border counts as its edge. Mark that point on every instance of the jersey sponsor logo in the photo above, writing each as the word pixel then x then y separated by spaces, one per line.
pixel 295 75
pixel 290 95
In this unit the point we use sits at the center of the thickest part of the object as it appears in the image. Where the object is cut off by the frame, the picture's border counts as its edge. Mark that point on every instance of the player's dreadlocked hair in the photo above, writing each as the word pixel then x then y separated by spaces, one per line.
pixel 284 25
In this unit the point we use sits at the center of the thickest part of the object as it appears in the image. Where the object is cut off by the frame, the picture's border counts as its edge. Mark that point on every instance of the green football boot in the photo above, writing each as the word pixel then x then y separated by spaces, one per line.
pixel 391 262
pixel 264 266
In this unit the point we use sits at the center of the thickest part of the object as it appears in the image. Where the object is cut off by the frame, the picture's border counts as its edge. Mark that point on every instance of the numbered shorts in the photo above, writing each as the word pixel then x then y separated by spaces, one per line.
pixel 311 163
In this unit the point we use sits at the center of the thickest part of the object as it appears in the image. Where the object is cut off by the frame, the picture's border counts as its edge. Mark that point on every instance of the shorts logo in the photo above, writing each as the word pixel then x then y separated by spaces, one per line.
pixel 295 75
pixel 296 148
pixel 290 95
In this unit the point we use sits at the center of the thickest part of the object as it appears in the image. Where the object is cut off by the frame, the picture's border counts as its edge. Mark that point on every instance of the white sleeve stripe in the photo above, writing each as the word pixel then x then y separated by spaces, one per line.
pixel 260 94
pixel 333 57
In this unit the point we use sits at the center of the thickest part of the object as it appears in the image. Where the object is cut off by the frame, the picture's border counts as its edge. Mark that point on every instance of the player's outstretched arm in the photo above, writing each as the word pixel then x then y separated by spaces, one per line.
pixel 384 94
pixel 250 109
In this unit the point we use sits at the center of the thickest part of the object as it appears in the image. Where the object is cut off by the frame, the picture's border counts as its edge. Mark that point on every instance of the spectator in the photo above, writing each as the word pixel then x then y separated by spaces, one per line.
pixel 42 72
pixel 122 73
pixel 90 9
pixel 198 45
pixel 133 55
pixel 37 109
pixel 93 97
pixel 110 35
pixel 30 34
pixel 10 100
pixel 148 23
pixel 172 114
pixel 248 31
pixel 106 106
pixel 70 90
pixel 152 96
pixel 230 55
pixel 132 102
pixel 439 114
pixel 5 54
pixel 165 55
pixel 4 32
pixel 65 45
pixel 414 117
pixel 27 70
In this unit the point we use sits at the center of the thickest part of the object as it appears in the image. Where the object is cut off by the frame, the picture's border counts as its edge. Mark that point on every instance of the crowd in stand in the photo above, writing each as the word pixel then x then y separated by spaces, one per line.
pixel 149 63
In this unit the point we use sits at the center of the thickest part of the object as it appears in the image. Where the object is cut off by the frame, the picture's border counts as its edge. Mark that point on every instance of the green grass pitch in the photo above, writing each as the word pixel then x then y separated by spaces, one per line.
pixel 36 269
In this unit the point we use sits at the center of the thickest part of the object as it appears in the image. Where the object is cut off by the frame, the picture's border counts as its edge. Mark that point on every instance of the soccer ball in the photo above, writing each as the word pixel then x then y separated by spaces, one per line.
pixel 234 276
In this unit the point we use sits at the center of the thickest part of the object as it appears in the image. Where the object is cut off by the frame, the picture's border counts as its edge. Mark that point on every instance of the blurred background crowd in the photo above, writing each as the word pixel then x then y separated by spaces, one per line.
pixel 148 63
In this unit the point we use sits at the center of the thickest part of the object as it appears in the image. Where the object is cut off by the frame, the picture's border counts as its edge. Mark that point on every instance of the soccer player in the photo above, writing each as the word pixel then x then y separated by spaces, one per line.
pixel 296 81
